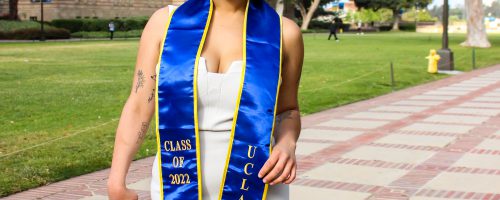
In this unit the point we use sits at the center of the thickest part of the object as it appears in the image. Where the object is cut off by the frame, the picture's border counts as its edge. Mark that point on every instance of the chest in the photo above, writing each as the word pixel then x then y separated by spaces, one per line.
pixel 224 41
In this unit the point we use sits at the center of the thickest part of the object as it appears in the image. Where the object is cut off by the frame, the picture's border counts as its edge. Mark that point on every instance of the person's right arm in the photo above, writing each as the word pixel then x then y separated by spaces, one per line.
pixel 139 107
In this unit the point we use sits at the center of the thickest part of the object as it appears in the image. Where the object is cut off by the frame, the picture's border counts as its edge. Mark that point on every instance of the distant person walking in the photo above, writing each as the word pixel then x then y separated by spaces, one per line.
pixel 111 26
pixel 359 25
pixel 334 27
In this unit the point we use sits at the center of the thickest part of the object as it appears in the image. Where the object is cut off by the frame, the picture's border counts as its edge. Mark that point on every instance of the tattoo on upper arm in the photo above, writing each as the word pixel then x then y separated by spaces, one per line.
pixel 152 96
pixel 140 80
pixel 142 132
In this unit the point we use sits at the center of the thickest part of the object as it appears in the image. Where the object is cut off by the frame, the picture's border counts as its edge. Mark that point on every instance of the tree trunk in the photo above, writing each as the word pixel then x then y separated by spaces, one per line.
pixel 309 15
pixel 272 3
pixel 13 10
pixel 396 18
pixel 289 11
pixel 280 6
pixel 476 31
pixel 301 8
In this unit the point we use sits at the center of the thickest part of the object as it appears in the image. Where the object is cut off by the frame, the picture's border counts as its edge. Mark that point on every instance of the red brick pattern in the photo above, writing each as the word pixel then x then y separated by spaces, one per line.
pixel 417 175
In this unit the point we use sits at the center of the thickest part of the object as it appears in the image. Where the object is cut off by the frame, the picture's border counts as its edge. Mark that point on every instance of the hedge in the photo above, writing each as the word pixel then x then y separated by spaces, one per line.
pixel 402 27
pixel 105 34
pixel 407 27
pixel 12 25
pixel 90 25
pixel 34 34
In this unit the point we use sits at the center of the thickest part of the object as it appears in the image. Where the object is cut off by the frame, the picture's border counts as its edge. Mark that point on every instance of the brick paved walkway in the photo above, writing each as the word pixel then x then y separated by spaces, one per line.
pixel 435 141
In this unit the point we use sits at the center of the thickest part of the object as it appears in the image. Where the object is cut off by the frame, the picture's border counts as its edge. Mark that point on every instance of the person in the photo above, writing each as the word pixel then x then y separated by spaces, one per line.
pixel 220 62
pixel 359 24
pixel 334 27
pixel 111 27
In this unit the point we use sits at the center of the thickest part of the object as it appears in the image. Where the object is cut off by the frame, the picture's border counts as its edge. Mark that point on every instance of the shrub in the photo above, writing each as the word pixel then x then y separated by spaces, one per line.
pixel 11 25
pixel 407 27
pixel 403 26
pixel 95 25
pixel 91 25
pixel 72 25
pixel 35 34
pixel 105 34
pixel 131 24
pixel 316 24
pixel 385 27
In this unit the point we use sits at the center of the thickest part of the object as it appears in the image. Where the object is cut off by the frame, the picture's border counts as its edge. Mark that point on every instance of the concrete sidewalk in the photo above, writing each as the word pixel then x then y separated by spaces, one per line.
pixel 435 141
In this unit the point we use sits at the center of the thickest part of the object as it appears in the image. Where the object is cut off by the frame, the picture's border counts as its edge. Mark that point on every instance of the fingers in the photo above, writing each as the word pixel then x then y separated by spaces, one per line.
pixel 278 168
pixel 273 159
pixel 292 175
pixel 276 171
pixel 284 174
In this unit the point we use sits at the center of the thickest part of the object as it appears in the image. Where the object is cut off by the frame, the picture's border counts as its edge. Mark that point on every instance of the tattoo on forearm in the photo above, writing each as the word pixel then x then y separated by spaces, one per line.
pixel 152 96
pixel 142 132
pixel 285 115
pixel 140 80
pixel 281 117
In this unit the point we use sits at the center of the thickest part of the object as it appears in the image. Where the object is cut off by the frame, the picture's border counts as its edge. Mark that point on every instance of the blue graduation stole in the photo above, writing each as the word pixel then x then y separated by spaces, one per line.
pixel 254 116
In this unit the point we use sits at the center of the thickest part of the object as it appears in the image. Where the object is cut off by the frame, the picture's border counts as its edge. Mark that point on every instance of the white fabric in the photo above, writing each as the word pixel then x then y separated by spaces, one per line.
pixel 216 105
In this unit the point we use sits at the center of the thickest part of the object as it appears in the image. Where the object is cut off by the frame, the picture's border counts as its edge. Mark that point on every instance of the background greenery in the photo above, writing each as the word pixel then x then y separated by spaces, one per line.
pixel 74 28
pixel 29 30
pixel 60 101
pixel 104 34
pixel 124 24
pixel 7 25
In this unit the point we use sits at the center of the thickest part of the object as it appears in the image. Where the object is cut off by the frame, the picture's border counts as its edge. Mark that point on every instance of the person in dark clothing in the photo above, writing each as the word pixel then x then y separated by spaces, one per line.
pixel 334 27
pixel 111 27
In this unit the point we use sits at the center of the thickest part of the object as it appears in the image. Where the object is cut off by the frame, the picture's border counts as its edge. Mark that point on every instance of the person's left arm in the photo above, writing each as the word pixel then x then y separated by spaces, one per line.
pixel 281 166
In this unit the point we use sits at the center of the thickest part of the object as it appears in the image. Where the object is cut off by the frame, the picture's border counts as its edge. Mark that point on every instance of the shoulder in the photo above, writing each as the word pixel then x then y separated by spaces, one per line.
pixel 156 23
pixel 292 35
pixel 291 32
pixel 160 15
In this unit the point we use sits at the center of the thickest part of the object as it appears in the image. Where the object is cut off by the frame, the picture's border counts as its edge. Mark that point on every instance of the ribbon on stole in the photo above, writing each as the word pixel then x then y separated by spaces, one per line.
pixel 176 101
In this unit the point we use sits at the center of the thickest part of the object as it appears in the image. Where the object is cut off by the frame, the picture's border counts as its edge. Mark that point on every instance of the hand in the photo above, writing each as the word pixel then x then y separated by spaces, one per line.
pixel 281 166
pixel 121 193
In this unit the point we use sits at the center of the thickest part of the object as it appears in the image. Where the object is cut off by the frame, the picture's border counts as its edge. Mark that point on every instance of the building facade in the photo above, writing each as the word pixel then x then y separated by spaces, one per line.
pixel 70 9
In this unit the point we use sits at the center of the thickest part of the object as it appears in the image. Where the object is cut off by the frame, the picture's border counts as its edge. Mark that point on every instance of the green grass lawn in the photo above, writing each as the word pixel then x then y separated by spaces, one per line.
pixel 60 101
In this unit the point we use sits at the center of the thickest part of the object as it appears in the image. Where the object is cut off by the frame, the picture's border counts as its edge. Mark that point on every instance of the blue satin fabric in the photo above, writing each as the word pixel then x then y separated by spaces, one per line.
pixel 256 112
pixel 254 122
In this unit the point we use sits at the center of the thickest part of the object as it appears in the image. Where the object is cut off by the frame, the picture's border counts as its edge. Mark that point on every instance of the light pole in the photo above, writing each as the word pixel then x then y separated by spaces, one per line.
pixel 416 16
pixel 446 61
pixel 42 34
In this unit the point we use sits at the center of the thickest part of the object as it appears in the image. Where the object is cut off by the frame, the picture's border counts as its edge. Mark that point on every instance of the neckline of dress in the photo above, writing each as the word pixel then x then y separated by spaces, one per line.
pixel 231 65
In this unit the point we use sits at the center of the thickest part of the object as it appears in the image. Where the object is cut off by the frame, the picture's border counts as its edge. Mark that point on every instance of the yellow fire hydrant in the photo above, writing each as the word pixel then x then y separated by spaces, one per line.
pixel 433 61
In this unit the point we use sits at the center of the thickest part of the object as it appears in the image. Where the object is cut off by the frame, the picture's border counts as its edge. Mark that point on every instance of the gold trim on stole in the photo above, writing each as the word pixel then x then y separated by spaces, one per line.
pixel 264 195
pixel 171 13
pixel 195 96
pixel 235 115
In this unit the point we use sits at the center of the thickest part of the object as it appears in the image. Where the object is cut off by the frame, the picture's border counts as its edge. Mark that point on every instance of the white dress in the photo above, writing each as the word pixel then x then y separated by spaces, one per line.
pixel 217 95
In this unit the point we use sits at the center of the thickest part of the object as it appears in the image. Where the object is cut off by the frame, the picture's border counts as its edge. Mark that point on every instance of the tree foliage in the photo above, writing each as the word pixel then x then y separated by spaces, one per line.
pixel 391 4
pixel 307 9
pixel 394 5
pixel 493 9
